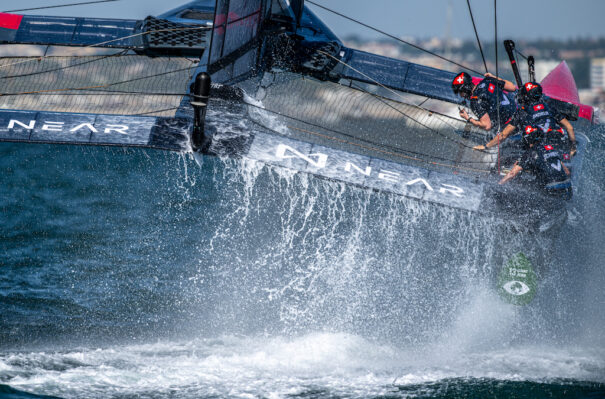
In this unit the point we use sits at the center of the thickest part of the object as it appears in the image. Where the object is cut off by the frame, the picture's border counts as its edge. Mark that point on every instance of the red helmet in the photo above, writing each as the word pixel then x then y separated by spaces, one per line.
pixel 463 84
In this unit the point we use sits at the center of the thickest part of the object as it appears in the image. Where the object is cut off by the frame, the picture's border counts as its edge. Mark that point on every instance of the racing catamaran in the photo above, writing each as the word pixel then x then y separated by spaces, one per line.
pixel 321 108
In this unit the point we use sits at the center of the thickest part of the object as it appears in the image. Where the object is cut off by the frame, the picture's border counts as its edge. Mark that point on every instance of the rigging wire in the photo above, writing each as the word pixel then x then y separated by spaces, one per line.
pixel 477 34
pixel 105 85
pixel 111 41
pixel 393 37
pixel 381 85
pixel 97 90
pixel 62 5
pixel 101 92
pixel 520 53
pixel 382 100
pixel 156 111
pixel 189 28
pixel 402 113
pixel 498 91
pixel 118 54
pixel 395 151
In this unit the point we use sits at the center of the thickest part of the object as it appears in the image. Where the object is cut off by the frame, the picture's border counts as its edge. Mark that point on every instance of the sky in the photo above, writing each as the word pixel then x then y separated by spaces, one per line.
pixel 527 19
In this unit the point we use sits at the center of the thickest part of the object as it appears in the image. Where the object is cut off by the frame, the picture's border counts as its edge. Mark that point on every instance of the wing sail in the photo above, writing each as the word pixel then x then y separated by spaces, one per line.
pixel 234 49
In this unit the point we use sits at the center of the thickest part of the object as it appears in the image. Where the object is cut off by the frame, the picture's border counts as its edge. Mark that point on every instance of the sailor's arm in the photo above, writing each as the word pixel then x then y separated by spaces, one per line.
pixel 508 85
pixel 572 136
pixel 500 137
pixel 484 122
pixel 511 175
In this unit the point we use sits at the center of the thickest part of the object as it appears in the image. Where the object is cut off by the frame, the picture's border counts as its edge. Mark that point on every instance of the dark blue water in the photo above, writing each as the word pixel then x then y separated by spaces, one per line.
pixel 139 273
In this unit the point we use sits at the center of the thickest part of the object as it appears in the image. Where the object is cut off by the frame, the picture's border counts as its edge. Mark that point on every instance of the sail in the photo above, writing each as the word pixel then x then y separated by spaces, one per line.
pixel 234 48
pixel 561 85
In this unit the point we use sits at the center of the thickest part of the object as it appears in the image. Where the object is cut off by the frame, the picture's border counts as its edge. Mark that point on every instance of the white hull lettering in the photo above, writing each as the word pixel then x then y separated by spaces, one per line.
pixel 366 172
pixel 83 125
pixel 320 163
pixel 53 126
pixel 60 126
pixel 448 188
pixel 319 160
pixel 13 122
pixel 116 128
pixel 388 176
pixel 419 180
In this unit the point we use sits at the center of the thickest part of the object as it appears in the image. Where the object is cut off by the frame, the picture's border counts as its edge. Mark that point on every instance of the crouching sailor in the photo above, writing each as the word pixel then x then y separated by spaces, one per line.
pixel 545 162
pixel 484 98
pixel 534 111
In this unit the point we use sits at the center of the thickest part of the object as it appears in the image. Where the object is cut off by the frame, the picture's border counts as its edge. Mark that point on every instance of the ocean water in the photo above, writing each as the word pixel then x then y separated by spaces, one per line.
pixel 146 274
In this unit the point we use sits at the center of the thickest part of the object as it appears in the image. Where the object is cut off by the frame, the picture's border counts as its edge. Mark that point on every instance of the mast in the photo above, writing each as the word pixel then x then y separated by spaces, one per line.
pixel 509 45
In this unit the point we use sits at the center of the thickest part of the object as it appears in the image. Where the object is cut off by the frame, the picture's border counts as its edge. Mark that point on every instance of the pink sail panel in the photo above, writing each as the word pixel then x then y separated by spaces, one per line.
pixel 561 85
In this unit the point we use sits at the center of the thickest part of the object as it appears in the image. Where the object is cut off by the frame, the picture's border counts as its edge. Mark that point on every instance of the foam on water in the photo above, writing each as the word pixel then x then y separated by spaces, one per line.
pixel 231 278
pixel 335 363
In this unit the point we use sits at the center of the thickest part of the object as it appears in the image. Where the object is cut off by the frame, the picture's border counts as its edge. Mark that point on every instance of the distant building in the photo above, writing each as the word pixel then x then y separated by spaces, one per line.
pixel 542 68
pixel 597 73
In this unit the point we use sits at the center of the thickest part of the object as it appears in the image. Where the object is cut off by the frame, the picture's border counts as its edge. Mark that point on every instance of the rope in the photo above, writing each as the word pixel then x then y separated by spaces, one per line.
pixel 477 35
pixel 393 37
pixel 63 5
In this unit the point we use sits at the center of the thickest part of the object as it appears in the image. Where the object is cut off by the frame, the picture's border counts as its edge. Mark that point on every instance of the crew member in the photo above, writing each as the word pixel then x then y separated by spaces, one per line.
pixel 484 98
pixel 534 111
pixel 545 162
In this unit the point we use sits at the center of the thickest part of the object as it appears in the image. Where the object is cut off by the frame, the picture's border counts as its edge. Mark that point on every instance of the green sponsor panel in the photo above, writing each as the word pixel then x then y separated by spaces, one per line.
pixel 517 282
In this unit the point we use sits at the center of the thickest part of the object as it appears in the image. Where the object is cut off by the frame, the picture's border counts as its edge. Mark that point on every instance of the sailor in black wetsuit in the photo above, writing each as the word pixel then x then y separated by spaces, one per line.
pixel 484 99
pixel 545 162
pixel 534 111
